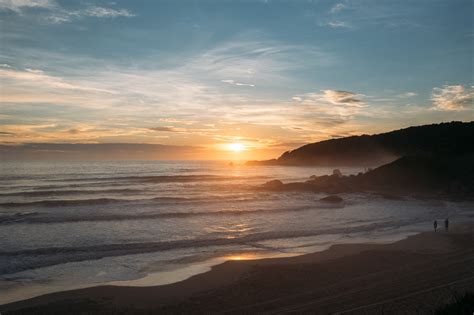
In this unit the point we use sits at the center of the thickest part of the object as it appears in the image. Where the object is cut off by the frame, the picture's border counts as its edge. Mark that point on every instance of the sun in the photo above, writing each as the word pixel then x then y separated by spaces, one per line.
pixel 236 147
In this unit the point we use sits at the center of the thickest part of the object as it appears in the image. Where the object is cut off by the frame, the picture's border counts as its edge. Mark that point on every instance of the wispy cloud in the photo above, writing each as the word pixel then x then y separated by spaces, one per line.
pixel 39 78
pixel 331 107
pixel 106 12
pixel 167 129
pixel 185 102
pixel 335 17
pixel 338 7
pixel 347 103
pixel 188 83
pixel 252 57
pixel 237 83
pixel 57 14
pixel 18 5
pixel 189 92
pixel 339 24
pixel 407 95
pixel 453 98
pixel 36 86
pixel 343 98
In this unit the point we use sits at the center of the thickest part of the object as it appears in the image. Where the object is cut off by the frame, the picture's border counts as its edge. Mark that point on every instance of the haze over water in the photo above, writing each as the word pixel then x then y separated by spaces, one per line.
pixel 75 224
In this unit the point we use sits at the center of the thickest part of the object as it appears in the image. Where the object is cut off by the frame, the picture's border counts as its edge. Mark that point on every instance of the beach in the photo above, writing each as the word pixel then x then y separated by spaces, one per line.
pixel 418 274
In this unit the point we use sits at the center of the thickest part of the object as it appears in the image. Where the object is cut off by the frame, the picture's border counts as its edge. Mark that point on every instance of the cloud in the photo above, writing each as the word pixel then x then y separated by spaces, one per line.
pixel 182 88
pixel 106 12
pixel 61 130
pixel 167 129
pixel 58 14
pixel 336 19
pixel 40 80
pixel 343 98
pixel 251 56
pixel 33 86
pixel 119 103
pixel 453 98
pixel 339 24
pixel 177 121
pixel 18 5
pixel 338 7
pixel 333 105
pixel 407 94
pixel 237 83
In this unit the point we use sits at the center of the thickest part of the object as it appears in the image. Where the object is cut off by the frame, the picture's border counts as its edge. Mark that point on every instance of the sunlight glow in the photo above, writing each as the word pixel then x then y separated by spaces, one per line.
pixel 236 147
pixel 242 257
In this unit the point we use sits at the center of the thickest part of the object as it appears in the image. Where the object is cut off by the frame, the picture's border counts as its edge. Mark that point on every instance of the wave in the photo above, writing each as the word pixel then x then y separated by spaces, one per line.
pixel 36 218
pixel 161 178
pixel 85 202
pixel 59 203
pixel 48 256
pixel 17 217
pixel 54 203
pixel 89 182
pixel 42 193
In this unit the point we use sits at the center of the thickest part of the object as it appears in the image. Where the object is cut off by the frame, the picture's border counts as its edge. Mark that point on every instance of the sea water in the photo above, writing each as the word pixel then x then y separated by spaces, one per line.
pixel 67 225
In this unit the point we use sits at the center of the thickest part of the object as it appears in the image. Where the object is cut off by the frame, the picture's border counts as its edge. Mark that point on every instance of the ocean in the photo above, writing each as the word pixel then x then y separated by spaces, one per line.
pixel 66 225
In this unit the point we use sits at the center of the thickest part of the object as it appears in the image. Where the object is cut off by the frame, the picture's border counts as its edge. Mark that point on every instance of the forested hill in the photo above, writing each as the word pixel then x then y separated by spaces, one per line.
pixel 453 138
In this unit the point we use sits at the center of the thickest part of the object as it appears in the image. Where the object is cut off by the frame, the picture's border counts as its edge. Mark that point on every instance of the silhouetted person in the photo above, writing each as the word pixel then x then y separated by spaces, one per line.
pixel 435 225
pixel 446 224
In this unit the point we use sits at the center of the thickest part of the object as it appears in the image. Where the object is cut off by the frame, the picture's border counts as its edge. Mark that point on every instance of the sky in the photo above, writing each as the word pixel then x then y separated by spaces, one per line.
pixel 228 79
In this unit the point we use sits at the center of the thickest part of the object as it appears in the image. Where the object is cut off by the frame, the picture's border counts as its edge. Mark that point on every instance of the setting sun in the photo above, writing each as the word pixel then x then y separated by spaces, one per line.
pixel 236 147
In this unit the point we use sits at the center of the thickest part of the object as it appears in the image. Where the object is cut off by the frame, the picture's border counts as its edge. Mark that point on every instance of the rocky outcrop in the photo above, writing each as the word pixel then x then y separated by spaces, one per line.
pixel 273 184
pixel 433 176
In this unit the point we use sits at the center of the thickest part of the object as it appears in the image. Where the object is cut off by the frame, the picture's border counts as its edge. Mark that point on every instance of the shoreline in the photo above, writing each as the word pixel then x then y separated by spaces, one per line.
pixel 184 272
pixel 214 283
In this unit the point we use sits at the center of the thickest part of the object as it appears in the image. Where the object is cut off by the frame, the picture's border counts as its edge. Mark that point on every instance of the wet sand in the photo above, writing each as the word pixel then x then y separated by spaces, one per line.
pixel 417 274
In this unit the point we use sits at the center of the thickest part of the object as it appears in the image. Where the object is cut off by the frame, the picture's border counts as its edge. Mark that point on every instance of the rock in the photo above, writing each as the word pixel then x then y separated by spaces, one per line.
pixel 273 184
pixel 337 173
pixel 332 198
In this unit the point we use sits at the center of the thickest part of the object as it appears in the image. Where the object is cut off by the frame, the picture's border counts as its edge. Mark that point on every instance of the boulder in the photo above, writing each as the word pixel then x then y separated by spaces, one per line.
pixel 337 173
pixel 273 184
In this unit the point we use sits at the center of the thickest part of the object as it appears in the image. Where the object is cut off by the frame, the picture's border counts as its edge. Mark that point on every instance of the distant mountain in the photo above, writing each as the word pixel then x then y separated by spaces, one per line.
pixel 453 138
pixel 94 151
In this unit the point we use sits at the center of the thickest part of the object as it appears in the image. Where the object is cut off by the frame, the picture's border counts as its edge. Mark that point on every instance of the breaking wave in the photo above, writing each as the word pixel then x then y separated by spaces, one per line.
pixel 37 218
pixel 42 257
pixel 85 202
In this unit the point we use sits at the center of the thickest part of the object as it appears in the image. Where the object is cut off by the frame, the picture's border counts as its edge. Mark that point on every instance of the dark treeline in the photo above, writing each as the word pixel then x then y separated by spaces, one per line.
pixel 453 138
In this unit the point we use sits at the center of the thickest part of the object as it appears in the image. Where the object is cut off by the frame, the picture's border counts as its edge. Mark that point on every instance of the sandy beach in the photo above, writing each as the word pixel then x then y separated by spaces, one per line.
pixel 418 274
